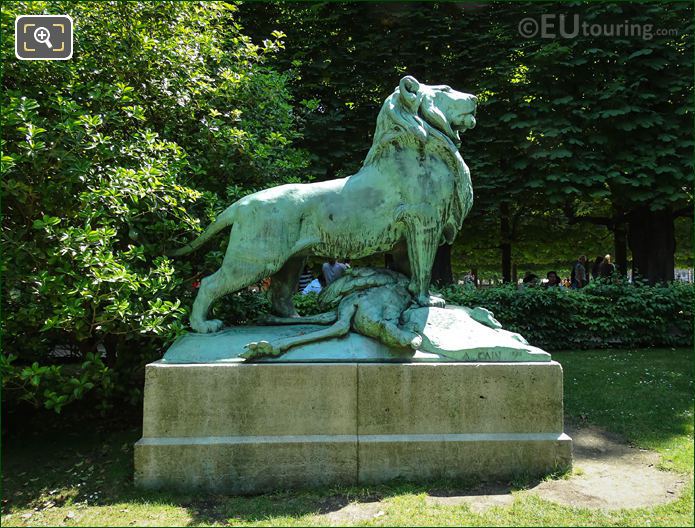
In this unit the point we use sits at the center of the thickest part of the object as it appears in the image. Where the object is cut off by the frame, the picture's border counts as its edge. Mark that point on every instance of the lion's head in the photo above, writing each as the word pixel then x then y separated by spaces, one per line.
pixel 418 115
pixel 423 112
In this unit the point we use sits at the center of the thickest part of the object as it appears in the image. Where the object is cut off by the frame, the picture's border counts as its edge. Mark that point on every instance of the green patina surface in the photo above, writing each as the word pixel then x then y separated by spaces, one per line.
pixel 370 316
pixel 411 195
pixel 229 345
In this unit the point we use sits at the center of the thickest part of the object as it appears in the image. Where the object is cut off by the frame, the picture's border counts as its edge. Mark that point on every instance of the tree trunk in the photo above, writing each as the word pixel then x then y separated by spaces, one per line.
pixel 652 241
pixel 441 269
pixel 87 346
pixel 620 249
pixel 505 243
pixel 111 346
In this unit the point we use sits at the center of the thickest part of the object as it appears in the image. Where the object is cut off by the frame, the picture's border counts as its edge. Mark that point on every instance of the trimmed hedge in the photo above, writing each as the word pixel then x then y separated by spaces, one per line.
pixel 598 316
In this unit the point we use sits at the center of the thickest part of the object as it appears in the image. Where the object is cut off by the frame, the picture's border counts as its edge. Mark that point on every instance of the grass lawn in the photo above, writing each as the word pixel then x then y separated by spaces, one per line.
pixel 84 476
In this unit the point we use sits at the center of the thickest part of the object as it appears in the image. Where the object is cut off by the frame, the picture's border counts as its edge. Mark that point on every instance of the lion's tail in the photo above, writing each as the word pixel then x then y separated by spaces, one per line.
pixel 223 220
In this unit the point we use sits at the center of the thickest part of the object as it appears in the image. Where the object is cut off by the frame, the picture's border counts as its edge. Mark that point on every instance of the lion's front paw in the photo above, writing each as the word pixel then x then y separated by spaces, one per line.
pixel 416 342
pixel 207 327
pixel 431 300
pixel 485 316
pixel 259 349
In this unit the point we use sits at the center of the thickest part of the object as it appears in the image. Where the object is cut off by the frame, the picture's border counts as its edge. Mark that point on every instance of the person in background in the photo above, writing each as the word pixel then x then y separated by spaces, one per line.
pixel 607 268
pixel 332 270
pixel 553 280
pixel 595 267
pixel 579 279
pixel 265 284
pixel 315 286
pixel 469 279
pixel 305 278
pixel 530 279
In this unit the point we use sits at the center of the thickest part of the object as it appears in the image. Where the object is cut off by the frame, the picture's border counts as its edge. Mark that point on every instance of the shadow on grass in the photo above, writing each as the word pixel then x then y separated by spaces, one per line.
pixel 95 469
pixel 299 503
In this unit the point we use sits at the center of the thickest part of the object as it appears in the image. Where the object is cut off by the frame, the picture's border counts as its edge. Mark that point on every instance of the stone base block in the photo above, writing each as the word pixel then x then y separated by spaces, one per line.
pixel 245 465
pixel 250 428
pixel 456 456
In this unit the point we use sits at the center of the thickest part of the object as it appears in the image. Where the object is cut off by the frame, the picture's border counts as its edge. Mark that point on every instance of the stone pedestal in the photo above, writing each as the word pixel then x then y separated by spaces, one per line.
pixel 249 428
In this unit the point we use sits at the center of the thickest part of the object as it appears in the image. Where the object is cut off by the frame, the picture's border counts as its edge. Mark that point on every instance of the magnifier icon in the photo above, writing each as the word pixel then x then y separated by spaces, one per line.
pixel 41 34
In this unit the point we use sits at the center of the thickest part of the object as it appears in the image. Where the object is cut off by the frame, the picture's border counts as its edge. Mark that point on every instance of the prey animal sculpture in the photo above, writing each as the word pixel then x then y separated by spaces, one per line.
pixel 410 196
pixel 367 300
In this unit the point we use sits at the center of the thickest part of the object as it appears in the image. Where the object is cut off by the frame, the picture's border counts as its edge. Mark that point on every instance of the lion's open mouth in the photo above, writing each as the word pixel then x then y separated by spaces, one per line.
pixel 450 122
pixel 467 122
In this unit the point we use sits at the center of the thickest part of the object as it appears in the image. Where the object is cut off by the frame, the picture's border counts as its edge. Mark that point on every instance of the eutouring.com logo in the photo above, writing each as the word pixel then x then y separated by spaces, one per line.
pixel 552 26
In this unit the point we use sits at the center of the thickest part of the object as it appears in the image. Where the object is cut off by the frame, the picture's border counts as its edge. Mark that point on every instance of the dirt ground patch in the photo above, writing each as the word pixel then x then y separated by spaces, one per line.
pixel 356 512
pixel 609 474
pixel 478 500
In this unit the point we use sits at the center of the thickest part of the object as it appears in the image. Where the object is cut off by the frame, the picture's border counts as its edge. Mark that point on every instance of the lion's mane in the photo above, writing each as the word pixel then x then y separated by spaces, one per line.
pixel 404 121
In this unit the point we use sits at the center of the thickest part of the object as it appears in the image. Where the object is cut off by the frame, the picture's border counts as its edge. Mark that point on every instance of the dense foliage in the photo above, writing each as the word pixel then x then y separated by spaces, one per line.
pixel 601 315
pixel 165 114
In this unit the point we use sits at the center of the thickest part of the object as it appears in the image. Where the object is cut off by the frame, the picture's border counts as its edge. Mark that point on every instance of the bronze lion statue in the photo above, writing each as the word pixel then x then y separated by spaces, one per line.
pixel 410 196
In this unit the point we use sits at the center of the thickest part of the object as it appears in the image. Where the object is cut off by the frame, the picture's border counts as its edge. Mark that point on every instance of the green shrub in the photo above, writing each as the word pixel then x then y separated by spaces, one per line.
pixel 55 386
pixel 165 114
pixel 598 316
pixel 246 307
pixel 307 304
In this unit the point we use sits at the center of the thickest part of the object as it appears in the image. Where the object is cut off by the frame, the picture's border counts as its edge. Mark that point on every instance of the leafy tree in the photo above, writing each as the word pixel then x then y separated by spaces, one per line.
pixel 611 122
pixel 166 112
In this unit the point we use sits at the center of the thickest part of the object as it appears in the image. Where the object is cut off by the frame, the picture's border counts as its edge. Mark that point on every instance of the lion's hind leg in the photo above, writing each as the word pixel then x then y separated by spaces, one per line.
pixel 395 336
pixel 386 331
pixel 223 281
pixel 322 319
pixel 346 311
pixel 283 284
pixel 207 293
